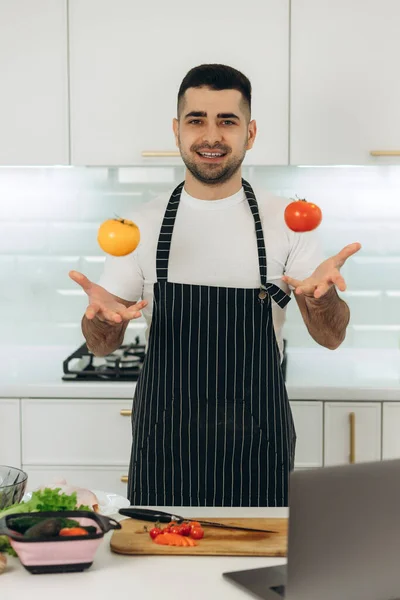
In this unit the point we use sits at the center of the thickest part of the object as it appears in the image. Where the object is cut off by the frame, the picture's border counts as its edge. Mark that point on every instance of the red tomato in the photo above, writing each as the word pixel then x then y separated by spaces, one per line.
pixel 195 524
pixel 154 532
pixel 176 529
pixel 166 529
pixel 185 529
pixel 301 215
pixel 197 533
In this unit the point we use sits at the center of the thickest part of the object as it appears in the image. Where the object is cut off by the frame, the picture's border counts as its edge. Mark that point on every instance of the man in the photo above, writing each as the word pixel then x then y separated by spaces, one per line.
pixel 211 420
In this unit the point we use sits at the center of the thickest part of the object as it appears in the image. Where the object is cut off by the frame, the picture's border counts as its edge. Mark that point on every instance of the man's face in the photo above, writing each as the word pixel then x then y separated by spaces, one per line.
pixel 216 122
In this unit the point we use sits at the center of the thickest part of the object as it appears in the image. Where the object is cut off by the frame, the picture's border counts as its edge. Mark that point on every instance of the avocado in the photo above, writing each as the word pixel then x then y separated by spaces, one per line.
pixel 44 529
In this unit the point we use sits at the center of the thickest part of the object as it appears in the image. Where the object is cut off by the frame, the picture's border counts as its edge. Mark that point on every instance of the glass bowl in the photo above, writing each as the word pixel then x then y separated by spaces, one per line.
pixel 12 485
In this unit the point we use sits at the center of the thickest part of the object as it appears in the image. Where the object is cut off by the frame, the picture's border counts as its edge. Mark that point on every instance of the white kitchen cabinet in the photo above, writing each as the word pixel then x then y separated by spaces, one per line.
pixel 345 89
pixel 127 61
pixel 391 430
pixel 76 432
pixel 107 479
pixel 34 82
pixel 340 436
pixel 308 421
pixel 10 433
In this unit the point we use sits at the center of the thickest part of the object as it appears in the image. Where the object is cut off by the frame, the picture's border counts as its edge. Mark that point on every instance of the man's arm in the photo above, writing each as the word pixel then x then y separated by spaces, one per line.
pixel 325 314
pixel 326 318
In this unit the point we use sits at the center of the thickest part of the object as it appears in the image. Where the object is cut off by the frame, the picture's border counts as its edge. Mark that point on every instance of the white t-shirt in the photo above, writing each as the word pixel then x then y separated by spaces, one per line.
pixel 213 244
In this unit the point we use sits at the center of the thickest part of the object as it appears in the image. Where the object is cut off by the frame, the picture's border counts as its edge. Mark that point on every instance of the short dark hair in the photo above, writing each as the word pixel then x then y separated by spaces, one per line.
pixel 216 77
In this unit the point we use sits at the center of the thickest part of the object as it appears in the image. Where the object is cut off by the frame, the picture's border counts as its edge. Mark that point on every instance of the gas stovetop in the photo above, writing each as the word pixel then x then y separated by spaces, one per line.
pixel 122 365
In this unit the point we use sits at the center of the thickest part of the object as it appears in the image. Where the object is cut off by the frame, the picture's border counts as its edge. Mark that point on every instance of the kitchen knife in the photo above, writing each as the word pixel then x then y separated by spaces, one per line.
pixel 146 514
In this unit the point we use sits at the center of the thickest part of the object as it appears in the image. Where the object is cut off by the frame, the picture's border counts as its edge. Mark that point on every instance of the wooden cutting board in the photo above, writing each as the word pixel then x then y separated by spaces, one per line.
pixel 133 539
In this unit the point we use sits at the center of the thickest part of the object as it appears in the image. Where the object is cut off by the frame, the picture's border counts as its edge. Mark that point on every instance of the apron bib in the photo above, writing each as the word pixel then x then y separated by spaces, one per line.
pixel 211 420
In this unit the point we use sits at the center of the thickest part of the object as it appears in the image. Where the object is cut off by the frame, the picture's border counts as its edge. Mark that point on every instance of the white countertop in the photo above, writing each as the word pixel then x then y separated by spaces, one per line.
pixel 313 374
pixel 143 577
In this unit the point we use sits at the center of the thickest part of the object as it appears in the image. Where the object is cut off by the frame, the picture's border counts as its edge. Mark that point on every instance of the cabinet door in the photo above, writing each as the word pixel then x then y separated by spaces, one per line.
pixel 352 425
pixel 391 430
pixel 76 432
pixel 345 89
pixel 106 479
pixel 34 82
pixel 10 434
pixel 308 421
pixel 127 61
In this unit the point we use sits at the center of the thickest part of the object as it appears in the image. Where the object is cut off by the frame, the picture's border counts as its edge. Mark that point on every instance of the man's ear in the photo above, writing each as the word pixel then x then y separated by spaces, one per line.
pixel 175 127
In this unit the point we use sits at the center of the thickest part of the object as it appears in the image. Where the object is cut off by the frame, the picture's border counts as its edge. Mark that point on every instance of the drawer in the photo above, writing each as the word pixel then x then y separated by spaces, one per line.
pixel 107 479
pixel 76 432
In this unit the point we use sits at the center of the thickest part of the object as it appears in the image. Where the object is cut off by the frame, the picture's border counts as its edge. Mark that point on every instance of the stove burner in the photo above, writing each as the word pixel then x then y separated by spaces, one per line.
pixel 124 364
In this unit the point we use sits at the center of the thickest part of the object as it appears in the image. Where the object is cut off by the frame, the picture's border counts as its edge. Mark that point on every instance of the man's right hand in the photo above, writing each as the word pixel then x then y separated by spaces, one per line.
pixel 105 306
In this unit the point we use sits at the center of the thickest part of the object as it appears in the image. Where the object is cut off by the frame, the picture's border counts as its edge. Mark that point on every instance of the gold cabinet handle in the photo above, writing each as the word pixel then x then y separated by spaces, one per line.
pixel 352 420
pixel 385 152
pixel 161 153
pixel 125 412
pixel 124 478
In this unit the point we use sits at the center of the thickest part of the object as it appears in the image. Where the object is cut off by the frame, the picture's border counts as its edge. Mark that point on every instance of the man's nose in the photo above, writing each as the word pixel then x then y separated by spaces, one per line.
pixel 212 134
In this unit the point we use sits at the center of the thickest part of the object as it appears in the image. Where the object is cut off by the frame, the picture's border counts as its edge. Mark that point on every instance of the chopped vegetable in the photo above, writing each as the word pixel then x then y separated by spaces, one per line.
pixel 5 546
pixel 154 532
pixel 91 529
pixel 73 531
pixel 197 533
pixel 44 528
pixel 185 529
pixel 173 539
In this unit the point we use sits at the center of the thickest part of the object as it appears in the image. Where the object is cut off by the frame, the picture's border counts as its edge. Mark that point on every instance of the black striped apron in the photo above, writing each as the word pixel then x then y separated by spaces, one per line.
pixel 211 420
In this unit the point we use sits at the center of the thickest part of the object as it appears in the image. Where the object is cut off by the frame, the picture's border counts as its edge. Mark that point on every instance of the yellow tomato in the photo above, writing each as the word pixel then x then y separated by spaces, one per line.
pixel 118 237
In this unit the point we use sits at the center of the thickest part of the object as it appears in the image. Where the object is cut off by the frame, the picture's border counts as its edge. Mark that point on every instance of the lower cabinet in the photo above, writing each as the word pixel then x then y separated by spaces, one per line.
pixel 86 442
pixel 308 421
pixel 352 432
pixel 391 430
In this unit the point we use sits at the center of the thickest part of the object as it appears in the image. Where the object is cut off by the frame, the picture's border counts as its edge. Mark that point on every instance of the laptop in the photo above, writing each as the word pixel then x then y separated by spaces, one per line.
pixel 344 537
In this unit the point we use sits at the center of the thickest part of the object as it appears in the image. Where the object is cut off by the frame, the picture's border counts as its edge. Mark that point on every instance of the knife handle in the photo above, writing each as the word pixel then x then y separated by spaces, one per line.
pixel 145 514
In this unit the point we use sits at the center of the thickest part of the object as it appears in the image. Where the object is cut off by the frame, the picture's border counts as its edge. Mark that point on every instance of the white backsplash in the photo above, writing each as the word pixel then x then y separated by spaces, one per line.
pixel 49 220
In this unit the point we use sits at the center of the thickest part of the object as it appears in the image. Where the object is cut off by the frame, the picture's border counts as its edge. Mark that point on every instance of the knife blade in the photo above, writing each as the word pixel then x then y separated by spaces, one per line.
pixel 146 514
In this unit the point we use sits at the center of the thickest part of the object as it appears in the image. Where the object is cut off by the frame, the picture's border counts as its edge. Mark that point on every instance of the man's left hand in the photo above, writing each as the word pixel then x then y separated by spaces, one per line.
pixel 325 276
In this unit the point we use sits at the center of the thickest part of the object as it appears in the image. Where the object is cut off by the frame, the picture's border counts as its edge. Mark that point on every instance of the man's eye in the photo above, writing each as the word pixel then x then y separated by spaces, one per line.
pixel 230 122
pixel 194 121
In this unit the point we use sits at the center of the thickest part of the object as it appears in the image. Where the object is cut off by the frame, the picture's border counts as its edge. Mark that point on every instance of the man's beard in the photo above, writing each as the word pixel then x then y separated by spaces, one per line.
pixel 213 174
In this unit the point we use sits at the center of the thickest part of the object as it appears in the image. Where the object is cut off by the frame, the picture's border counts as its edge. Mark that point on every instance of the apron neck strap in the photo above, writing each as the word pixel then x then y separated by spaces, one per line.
pixel 167 228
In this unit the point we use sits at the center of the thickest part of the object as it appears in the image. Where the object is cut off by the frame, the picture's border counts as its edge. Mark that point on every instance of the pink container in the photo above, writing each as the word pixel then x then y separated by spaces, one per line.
pixel 59 554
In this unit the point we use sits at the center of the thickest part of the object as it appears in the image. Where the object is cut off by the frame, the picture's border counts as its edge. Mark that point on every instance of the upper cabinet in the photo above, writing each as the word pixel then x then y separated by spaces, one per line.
pixel 34 82
pixel 127 61
pixel 345 88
